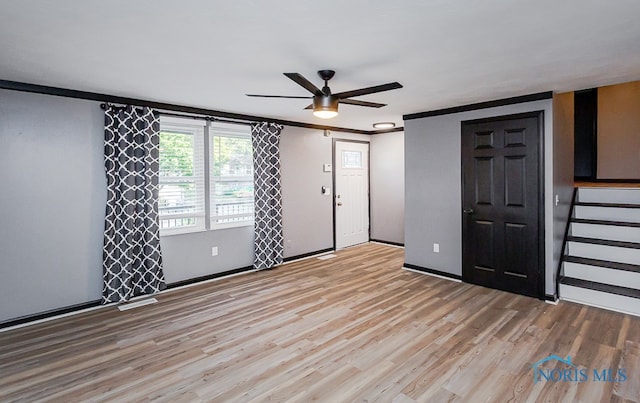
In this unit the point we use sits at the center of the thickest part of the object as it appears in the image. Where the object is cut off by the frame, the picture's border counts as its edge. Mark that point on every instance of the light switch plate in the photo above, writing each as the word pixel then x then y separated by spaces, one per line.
pixel 327 168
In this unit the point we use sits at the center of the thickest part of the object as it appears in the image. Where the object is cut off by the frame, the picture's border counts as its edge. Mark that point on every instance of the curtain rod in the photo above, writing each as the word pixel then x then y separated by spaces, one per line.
pixel 209 118
pixel 181 115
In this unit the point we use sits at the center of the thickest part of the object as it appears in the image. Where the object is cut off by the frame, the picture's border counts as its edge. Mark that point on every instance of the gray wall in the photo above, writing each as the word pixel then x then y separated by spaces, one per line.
pixel 307 213
pixel 52 202
pixel 433 187
pixel 563 181
pixel 188 256
pixel 51 166
pixel 387 187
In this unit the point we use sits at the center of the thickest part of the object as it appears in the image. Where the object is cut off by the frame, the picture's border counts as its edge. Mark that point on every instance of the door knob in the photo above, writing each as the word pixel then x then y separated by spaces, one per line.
pixel 468 211
pixel 339 204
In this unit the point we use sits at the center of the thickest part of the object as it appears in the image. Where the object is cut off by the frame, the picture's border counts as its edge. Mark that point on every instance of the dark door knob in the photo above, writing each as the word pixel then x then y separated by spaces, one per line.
pixel 468 211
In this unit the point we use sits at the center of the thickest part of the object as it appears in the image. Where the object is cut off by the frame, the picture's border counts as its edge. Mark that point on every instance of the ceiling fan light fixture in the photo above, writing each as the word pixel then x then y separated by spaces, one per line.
pixel 325 106
pixel 325 103
pixel 325 114
pixel 384 125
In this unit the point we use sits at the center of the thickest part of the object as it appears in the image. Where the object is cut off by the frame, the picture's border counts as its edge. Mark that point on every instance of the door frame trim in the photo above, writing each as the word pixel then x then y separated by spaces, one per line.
pixel 539 114
pixel 333 181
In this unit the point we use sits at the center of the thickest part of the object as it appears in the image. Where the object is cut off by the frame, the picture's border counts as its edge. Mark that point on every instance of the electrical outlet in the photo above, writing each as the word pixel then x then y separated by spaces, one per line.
pixel 436 248
pixel 214 251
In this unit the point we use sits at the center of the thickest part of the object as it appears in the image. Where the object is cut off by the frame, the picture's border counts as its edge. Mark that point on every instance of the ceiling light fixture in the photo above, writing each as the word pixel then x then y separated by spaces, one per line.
pixel 325 106
pixel 384 125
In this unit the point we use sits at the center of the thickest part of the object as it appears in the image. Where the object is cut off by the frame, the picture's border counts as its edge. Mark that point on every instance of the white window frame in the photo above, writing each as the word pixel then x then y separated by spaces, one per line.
pixel 197 127
pixel 228 130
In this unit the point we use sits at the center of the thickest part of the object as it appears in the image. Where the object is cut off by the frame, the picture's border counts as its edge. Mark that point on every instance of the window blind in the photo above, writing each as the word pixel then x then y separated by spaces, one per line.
pixel 181 198
pixel 231 175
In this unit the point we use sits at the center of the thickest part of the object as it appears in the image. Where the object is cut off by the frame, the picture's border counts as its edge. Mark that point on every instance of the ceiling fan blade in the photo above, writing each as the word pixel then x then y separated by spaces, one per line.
pixel 309 107
pixel 362 103
pixel 306 84
pixel 368 90
pixel 276 96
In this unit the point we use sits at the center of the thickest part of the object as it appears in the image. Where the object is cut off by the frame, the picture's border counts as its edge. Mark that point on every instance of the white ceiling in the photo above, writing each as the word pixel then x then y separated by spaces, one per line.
pixel 209 53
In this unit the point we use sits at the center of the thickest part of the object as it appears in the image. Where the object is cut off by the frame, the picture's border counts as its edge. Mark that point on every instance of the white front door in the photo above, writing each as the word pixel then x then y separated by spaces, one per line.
pixel 351 198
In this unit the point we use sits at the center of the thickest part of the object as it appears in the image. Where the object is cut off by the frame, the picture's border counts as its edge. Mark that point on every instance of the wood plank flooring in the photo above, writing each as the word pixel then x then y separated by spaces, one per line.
pixel 606 184
pixel 355 328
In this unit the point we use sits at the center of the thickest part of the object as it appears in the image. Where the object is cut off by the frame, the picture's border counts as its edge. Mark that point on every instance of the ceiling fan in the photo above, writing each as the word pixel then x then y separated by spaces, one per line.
pixel 325 104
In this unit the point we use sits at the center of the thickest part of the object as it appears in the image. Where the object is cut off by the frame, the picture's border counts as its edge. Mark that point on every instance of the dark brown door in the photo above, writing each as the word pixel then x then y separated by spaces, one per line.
pixel 502 197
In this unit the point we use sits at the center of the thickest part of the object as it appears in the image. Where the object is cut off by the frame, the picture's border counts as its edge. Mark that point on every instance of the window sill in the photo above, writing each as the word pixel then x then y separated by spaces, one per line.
pixel 215 227
pixel 184 231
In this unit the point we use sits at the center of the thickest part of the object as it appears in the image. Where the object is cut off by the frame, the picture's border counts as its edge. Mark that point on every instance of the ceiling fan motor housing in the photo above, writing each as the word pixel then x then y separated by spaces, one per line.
pixel 325 103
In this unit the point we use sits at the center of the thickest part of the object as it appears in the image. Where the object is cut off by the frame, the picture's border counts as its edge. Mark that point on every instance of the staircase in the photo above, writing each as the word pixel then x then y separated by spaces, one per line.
pixel 601 263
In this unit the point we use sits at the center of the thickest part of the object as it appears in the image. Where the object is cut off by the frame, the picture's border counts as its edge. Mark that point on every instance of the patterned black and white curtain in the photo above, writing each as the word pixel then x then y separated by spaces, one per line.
pixel 132 262
pixel 268 244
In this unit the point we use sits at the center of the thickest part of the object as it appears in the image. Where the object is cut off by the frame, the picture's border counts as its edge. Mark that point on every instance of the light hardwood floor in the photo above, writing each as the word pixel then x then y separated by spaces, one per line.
pixel 353 328
pixel 606 184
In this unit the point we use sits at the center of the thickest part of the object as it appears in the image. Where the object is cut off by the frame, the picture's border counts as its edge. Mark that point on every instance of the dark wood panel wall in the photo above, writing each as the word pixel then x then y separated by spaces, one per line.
pixel 585 123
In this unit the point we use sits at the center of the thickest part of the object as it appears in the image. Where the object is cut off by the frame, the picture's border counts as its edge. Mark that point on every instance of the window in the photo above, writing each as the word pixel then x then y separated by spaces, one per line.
pixel 181 190
pixel 351 159
pixel 231 175
pixel 204 190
